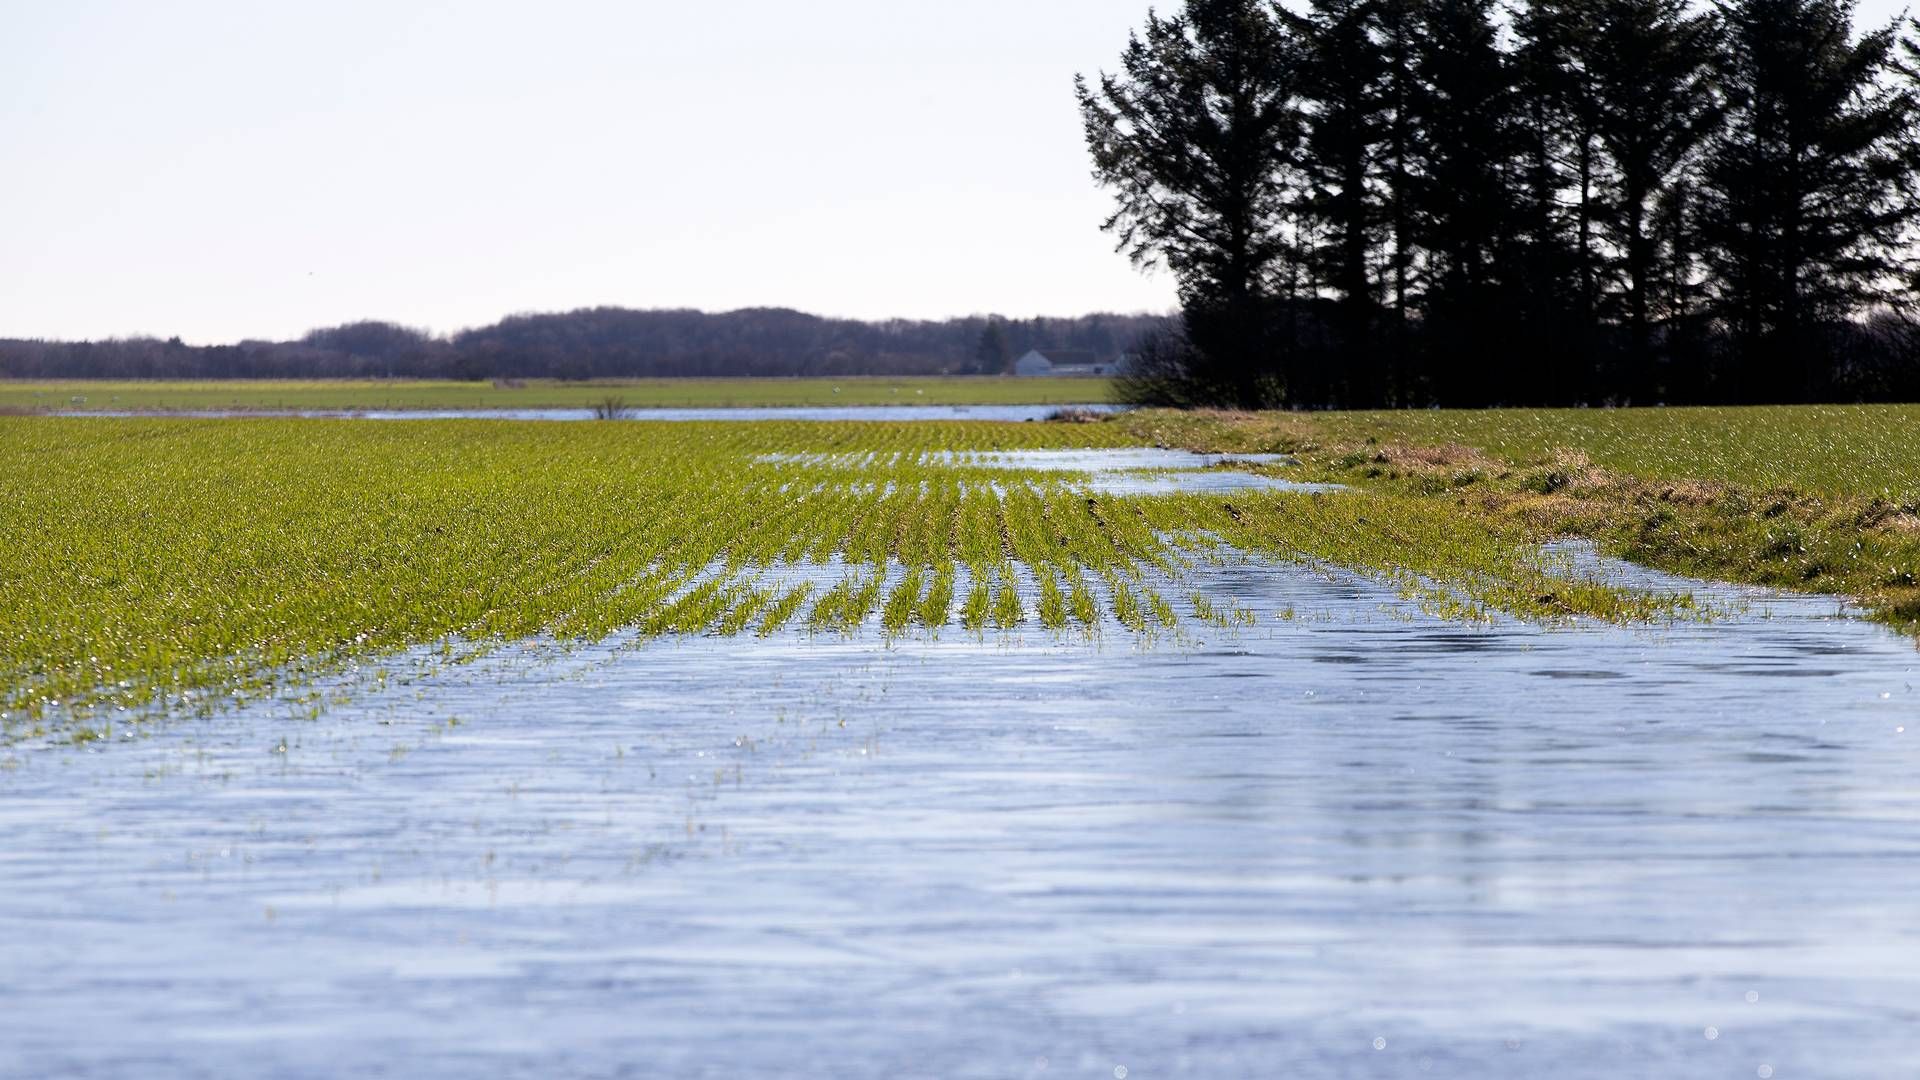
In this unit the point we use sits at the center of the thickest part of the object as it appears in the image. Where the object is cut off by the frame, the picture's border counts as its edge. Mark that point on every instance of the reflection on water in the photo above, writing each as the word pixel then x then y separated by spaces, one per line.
pixel 1003 413
pixel 1358 842
pixel 1206 483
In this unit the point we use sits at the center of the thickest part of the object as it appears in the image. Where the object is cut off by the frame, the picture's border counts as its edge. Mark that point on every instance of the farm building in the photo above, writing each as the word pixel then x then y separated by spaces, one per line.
pixel 1066 362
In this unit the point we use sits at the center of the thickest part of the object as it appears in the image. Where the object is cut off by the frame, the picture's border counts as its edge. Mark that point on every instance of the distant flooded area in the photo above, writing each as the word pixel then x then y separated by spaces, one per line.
pixel 1352 840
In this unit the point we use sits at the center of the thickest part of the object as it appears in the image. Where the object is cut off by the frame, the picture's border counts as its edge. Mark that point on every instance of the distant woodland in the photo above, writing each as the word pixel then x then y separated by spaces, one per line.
pixel 1517 202
pixel 597 343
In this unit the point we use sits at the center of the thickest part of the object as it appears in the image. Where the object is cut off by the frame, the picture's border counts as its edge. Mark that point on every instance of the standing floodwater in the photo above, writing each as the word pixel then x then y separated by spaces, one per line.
pixel 1353 841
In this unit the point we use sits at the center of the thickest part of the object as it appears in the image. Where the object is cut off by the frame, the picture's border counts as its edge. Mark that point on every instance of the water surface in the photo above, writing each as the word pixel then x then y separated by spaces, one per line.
pixel 891 413
pixel 1353 841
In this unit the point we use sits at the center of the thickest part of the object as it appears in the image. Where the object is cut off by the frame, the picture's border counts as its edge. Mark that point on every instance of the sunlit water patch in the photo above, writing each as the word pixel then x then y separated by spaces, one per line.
pixel 1150 471
pixel 1348 841
pixel 1097 459
pixel 1117 471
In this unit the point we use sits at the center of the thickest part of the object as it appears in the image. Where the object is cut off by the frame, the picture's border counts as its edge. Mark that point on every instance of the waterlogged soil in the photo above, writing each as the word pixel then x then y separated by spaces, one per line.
pixel 1349 841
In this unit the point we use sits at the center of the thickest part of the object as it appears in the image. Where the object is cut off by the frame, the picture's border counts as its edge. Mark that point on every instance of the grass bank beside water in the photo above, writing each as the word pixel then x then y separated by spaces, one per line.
pixel 1814 498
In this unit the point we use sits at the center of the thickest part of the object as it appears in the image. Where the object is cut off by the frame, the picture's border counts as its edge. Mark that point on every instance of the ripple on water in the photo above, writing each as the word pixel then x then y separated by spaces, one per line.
pixel 1483 851
pixel 884 413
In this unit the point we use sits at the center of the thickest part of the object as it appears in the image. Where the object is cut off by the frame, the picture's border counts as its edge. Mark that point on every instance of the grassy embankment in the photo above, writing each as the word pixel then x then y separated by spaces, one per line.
pixel 160 560
pixel 186 396
pixel 1817 498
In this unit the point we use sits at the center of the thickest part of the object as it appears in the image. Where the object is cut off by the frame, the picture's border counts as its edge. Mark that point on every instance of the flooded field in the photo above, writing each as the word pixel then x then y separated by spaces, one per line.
pixel 1351 840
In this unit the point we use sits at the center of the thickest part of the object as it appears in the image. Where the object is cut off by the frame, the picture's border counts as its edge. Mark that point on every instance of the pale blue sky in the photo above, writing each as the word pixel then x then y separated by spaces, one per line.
pixel 222 169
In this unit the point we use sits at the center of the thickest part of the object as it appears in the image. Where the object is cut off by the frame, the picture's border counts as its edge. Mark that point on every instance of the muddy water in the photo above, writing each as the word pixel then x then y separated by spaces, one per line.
pixel 1358 842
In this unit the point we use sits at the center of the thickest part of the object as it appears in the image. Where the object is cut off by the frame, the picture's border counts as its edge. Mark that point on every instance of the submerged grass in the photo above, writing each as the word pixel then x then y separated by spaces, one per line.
pixel 179 560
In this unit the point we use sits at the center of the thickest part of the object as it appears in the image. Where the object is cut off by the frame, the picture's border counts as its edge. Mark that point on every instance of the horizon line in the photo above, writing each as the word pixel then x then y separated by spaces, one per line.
pixel 449 335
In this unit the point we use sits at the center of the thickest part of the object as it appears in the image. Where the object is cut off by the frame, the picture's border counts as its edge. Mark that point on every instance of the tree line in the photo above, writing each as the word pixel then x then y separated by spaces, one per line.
pixel 597 343
pixel 1372 203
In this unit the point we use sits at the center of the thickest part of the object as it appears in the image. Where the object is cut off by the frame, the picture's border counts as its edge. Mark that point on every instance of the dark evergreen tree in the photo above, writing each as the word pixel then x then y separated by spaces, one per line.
pixel 1808 195
pixel 991 356
pixel 1464 198
pixel 1649 71
pixel 1196 136
pixel 1397 23
pixel 1341 68
pixel 1554 273
pixel 1593 200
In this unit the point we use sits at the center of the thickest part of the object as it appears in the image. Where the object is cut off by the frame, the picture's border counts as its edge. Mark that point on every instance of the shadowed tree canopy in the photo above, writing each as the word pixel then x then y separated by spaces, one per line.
pixel 1557 177
pixel 1195 135
pixel 1651 72
pixel 1344 108
pixel 1464 198
pixel 1809 196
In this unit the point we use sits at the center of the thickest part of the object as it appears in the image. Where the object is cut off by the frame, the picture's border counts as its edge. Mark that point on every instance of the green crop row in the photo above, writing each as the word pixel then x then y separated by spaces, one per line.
pixel 175 560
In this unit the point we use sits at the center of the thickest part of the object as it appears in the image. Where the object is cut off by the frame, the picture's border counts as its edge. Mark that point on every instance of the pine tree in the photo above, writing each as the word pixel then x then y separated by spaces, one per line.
pixel 1555 258
pixel 1463 198
pixel 1397 24
pixel 1197 135
pixel 991 356
pixel 1340 74
pixel 1598 199
pixel 1649 72
pixel 1808 194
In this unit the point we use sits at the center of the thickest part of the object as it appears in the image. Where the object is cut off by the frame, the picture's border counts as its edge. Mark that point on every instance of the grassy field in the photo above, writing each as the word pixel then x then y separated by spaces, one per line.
pixel 19 396
pixel 180 560
pixel 1815 498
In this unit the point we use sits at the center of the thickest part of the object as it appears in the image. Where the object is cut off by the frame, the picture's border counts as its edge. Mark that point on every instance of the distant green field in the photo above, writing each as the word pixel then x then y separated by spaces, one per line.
pixel 67 395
